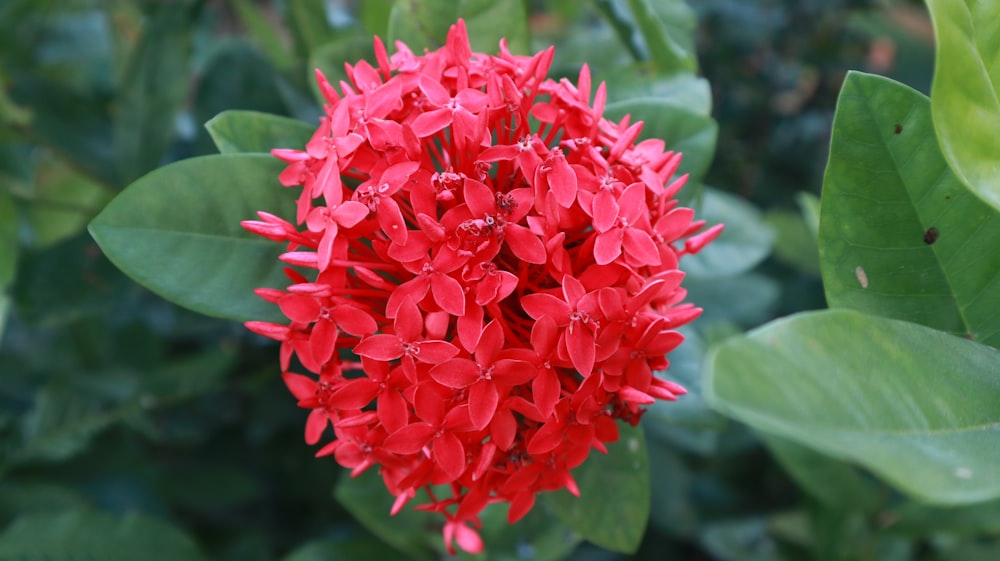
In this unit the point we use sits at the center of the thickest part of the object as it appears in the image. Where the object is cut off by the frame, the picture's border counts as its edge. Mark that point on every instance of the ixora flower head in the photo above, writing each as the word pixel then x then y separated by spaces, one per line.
pixel 493 277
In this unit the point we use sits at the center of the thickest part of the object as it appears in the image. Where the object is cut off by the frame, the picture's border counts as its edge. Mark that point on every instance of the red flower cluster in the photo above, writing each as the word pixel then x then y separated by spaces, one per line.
pixel 495 276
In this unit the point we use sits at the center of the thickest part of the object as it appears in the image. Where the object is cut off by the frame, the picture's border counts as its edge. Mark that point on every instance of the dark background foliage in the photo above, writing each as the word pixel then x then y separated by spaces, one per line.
pixel 114 402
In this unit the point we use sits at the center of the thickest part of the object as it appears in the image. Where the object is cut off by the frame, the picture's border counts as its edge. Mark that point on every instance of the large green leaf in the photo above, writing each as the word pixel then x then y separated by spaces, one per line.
pixel 684 129
pixel 425 24
pixel 235 131
pixel 88 534
pixel 912 404
pixel 177 232
pixel 965 94
pixel 152 90
pixel 613 507
pixel 900 236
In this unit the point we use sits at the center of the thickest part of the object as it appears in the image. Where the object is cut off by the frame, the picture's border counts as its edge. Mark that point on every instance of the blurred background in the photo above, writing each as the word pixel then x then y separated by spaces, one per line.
pixel 115 401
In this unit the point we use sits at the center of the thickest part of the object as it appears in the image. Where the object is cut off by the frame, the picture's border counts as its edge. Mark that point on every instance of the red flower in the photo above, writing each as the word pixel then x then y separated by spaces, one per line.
pixel 503 260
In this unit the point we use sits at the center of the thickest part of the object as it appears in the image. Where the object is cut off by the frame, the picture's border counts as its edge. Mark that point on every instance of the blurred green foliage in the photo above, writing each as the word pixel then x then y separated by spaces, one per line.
pixel 125 419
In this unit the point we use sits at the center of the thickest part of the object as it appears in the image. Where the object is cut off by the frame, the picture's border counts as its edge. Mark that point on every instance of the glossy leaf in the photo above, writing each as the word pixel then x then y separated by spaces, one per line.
pixel 177 232
pixel 152 90
pixel 684 130
pixel 667 27
pixel 965 94
pixel 425 24
pixel 912 404
pixel 235 131
pixel 900 236
pixel 410 531
pixel 743 244
pixel 613 507
pixel 88 534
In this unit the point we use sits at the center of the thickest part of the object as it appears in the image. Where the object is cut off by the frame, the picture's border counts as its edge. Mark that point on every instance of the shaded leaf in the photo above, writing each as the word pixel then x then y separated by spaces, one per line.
pixel 236 77
pixel 177 232
pixel 235 131
pixel 900 236
pixel 613 507
pixel 88 534
pixel 667 27
pixel 872 391
pixel 794 244
pixel 75 125
pixel 8 238
pixel 832 482
pixel 965 93
pixel 425 24
pixel 309 24
pixel 264 34
pixel 62 202
pixel 410 531
pixel 152 90
pixel 349 47
pixel 746 300
pixel 743 244
pixel 362 548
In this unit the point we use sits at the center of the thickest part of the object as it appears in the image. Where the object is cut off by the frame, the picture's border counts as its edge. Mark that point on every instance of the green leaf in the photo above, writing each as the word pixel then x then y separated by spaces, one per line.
pixel 177 232
pixel 832 482
pixel 236 131
pixel 8 239
pixel 264 33
pixel 747 300
pixel 965 93
pixel 794 244
pixel 374 15
pixel 309 24
pixel 425 24
pixel 613 507
pixel 236 77
pixel 153 88
pixel 743 244
pixel 61 203
pixel 410 531
pixel 918 519
pixel 748 539
pixel 900 236
pixel 75 125
pixel 809 206
pixel 349 47
pixel 94 535
pixel 342 549
pixel 912 404
pixel 685 130
pixel 667 27
pixel 632 82
pixel 61 424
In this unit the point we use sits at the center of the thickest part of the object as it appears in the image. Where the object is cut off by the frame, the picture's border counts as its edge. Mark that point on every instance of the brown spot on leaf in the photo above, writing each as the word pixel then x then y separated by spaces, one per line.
pixel 931 235
pixel 899 128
